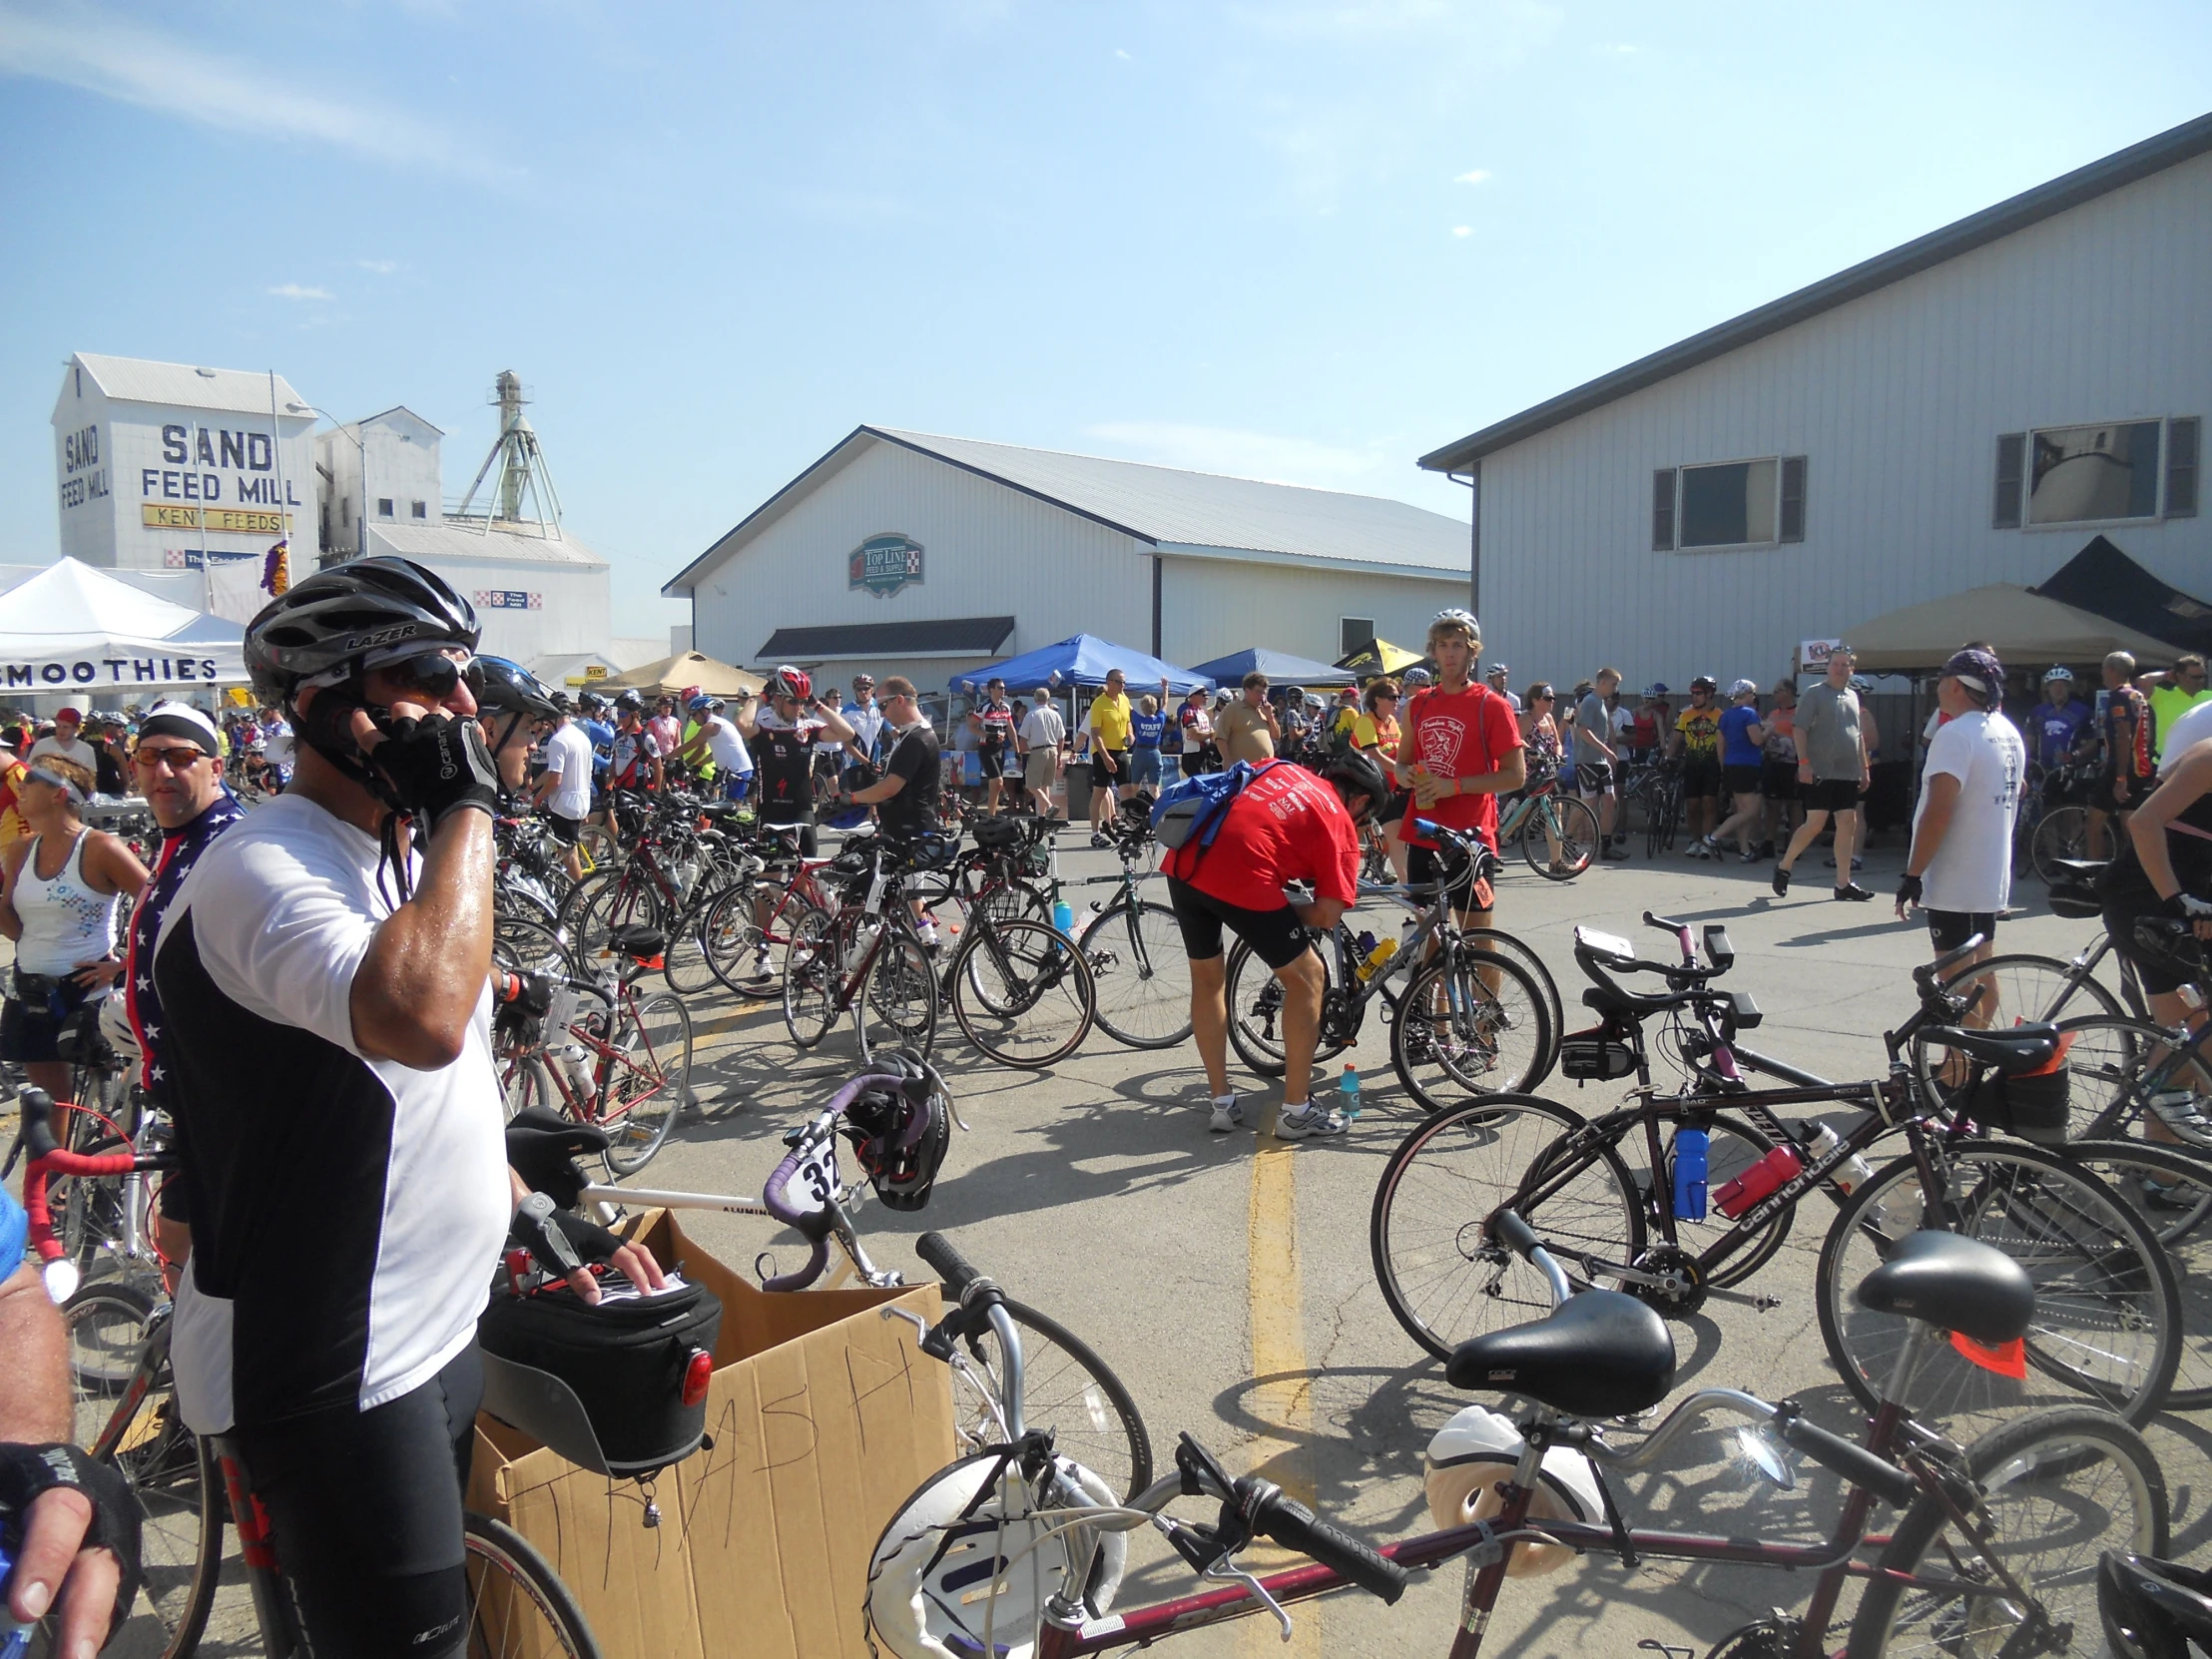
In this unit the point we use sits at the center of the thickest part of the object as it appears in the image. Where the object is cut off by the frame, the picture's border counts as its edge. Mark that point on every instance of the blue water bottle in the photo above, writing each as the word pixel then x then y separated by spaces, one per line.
pixel 1063 915
pixel 1690 1148
pixel 1348 1093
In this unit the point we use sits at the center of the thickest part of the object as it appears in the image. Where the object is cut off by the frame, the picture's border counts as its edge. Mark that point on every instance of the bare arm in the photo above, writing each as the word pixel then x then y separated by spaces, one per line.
pixel 34 1406
pixel 11 925
pixel 416 989
pixel 833 724
pixel 1323 914
pixel 2186 784
pixel 1937 813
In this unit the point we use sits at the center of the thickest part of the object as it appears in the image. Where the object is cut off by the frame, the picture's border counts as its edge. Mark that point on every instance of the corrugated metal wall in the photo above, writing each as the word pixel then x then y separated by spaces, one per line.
pixel 1898 399
pixel 1210 606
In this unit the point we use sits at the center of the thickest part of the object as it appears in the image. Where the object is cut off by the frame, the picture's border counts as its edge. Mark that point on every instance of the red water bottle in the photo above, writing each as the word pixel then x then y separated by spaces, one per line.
pixel 1756 1182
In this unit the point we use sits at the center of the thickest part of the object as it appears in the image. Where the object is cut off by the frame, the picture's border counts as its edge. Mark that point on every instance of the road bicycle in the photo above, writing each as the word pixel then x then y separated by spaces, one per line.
pixel 1474 1013
pixel 189 1486
pixel 1658 795
pixel 864 957
pixel 1134 947
pixel 2052 829
pixel 2110 1319
pixel 668 882
pixel 745 933
pixel 1556 831
pixel 594 1051
pixel 808 1193
pixel 1995 1549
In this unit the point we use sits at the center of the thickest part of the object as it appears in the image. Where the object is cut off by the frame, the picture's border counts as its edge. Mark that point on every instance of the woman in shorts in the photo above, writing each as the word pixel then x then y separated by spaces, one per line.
pixel 1778 762
pixel 1742 758
pixel 1375 734
pixel 1147 729
pixel 1544 745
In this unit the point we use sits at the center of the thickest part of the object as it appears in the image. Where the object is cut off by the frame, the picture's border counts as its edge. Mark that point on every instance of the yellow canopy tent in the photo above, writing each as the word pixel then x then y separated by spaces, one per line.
pixel 671 674
pixel 1379 656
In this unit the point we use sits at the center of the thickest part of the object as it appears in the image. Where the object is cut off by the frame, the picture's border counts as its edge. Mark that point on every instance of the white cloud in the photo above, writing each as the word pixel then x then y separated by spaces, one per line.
pixel 1123 56
pixel 1476 175
pixel 1264 456
pixel 1618 49
pixel 293 291
pixel 107 54
pixel 382 267
pixel 1463 230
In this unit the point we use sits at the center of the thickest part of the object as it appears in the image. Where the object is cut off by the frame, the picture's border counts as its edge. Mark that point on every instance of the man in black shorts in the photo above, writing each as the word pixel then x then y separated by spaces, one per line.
pixel 1697 745
pixel 782 738
pixel 908 795
pixel 993 720
pixel 1286 826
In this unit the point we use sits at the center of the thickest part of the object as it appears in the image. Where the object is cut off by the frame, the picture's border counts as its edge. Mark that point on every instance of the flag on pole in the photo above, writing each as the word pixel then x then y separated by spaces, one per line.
pixel 276 570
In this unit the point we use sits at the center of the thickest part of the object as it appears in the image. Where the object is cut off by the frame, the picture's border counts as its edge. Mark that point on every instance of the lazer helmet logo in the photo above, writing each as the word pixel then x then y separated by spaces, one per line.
pixel 381 636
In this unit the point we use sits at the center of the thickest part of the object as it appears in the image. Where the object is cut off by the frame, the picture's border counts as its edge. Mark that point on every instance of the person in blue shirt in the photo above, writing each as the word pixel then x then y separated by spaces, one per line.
pixel 601 735
pixel 2060 722
pixel 1147 726
pixel 1742 755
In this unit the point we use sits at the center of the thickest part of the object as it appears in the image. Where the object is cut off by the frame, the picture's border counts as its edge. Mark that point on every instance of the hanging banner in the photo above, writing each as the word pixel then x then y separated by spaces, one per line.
pixel 62 674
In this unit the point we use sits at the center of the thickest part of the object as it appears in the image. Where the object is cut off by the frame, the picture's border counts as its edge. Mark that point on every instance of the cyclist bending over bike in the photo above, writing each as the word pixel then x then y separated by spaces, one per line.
pixel 1285 825
pixel 324 988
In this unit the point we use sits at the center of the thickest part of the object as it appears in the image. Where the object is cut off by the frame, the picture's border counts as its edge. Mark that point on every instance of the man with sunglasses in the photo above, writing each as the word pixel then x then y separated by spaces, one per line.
pixel 324 986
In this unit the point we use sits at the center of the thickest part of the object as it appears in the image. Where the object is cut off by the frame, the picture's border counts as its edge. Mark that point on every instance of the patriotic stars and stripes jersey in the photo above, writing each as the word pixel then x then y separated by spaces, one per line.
pixel 181 849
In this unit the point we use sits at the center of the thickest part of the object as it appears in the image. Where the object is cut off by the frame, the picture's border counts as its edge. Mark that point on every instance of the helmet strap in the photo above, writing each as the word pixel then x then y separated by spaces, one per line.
pixel 328 728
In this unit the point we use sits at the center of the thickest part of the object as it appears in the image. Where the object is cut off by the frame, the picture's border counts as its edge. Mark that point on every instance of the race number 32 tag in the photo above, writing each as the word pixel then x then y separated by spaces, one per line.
pixel 813 1181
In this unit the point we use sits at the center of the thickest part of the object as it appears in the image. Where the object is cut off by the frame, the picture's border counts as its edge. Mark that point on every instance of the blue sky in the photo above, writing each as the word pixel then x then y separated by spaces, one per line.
pixel 1295 242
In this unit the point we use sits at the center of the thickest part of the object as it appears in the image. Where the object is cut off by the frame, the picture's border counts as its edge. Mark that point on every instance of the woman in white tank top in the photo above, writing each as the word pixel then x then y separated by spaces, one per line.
pixel 59 889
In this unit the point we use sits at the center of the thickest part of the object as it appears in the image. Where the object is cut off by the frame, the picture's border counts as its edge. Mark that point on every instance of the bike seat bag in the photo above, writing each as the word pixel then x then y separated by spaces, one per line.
pixel 78 1039
pixel 617 1386
pixel 932 849
pixel 1602 1055
pixel 2074 888
pixel 2030 1102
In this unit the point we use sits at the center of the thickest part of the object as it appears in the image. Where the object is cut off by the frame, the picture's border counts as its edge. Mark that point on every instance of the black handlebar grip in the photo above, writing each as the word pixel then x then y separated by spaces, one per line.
pixel 1853 1462
pixel 36 1108
pixel 938 1250
pixel 1294 1526
pixel 1515 1234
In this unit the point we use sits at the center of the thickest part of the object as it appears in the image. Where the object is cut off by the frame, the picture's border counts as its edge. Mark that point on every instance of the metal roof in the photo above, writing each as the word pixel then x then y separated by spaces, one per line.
pixel 2100 178
pixel 972 636
pixel 138 380
pixel 443 539
pixel 1192 514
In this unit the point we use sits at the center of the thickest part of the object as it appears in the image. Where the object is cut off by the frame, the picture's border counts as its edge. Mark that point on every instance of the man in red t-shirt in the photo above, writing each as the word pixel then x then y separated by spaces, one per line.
pixel 1461 750
pixel 1285 825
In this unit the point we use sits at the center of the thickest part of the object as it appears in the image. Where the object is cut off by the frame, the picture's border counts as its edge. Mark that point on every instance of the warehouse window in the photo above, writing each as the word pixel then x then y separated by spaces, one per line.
pixel 1662 510
pixel 2011 468
pixel 420 509
pixel 1354 633
pixel 1731 504
pixel 2181 467
pixel 1793 499
pixel 2087 474
pixel 383 506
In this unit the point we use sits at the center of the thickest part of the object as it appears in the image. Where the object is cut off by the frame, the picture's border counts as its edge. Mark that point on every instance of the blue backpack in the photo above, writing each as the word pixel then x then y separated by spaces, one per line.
pixel 1192 811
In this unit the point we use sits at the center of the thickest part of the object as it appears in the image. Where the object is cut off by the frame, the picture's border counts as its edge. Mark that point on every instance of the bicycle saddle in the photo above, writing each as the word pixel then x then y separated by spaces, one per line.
pixel 542 1148
pixel 1616 1000
pixel 1953 1281
pixel 1600 1354
pixel 639 943
pixel 2013 1051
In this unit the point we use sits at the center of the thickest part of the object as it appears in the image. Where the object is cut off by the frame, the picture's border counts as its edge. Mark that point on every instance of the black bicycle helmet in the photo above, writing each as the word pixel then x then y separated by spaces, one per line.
pixel 337 617
pixel 1355 772
pixel 2153 1609
pixel 899 1127
pixel 630 703
pixel 500 682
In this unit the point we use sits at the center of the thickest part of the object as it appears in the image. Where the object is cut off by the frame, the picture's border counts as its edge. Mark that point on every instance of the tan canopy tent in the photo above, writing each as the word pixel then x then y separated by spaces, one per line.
pixel 2023 626
pixel 673 674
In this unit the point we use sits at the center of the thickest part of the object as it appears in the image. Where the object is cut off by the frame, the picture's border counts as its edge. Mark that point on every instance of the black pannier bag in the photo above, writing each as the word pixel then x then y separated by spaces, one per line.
pixel 2031 1104
pixel 619 1387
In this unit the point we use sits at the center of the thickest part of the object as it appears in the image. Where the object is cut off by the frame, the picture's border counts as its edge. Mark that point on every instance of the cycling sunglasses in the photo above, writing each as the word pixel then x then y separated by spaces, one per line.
pixel 431 672
pixel 180 758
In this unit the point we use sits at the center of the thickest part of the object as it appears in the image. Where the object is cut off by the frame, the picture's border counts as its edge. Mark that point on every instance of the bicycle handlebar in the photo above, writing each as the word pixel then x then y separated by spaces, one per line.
pixel 941 1254
pixel 1519 1237
pixel 1274 1514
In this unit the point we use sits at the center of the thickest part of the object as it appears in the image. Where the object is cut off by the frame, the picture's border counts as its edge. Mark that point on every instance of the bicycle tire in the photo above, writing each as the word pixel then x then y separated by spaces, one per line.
pixel 1443 1282
pixel 2171 1189
pixel 639 1103
pixel 1023 993
pixel 2107 1311
pixel 1255 1011
pixel 526 1085
pixel 87 1209
pixel 2054 1489
pixel 2063 833
pixel 812 978
pixel 1067 1388
pixel 2035 990
pixel 626 898
pixel 1503 944
pixel 1140 974
pixel 2108 1062
pixel 897 1007
pixel 1576 828
pixel 491 1547
pixel 1458 1033
pixel 523 944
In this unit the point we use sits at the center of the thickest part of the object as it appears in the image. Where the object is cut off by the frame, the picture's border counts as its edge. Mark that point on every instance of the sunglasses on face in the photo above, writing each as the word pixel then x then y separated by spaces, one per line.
pixel 433 673
pixel 182 758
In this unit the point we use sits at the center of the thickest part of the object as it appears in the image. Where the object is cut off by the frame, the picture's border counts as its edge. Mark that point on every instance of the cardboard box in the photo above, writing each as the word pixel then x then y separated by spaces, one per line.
pixel 825 1418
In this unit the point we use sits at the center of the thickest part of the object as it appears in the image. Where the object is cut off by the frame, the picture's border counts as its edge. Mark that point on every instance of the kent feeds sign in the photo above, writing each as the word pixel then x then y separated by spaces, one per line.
pixel 885 564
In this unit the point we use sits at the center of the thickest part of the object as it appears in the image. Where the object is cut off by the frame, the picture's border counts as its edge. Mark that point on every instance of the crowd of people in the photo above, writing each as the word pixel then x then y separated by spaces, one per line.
pixel 342 932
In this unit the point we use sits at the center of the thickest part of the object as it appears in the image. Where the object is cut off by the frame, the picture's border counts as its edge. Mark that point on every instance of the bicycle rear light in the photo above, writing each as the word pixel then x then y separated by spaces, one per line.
pixel 698 1373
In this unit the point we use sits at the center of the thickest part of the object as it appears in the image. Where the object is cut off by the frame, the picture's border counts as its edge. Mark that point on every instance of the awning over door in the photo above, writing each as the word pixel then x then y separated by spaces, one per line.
pixel 971 636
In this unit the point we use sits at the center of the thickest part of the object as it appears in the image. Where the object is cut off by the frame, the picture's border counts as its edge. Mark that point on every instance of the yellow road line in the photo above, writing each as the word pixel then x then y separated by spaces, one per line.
pixel 1282 1394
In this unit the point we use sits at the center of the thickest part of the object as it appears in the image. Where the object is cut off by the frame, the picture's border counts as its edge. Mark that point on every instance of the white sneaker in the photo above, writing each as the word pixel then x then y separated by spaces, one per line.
pixel 1228 1115
pixel 1297 1126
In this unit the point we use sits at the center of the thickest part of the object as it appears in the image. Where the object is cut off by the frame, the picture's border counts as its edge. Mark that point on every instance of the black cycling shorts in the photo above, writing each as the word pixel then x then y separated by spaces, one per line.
pixel 1277 938
pixel 364 1513
pixel 998 763
pixel 1394 810
pixel 1424 864
pixel 566 830
pixel 1740 779
pixel 1953 928
pixel 1778 780
pixel 2104 799
pixel 1832 794
pixel 1701 777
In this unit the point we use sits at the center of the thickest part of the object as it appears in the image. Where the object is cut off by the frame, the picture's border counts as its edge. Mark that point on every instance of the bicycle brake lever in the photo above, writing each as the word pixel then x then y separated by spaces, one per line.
pixel 1226 1567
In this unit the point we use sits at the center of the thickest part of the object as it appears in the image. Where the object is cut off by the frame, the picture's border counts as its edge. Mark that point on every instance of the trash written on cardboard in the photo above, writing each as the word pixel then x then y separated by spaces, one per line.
pixel 824 1416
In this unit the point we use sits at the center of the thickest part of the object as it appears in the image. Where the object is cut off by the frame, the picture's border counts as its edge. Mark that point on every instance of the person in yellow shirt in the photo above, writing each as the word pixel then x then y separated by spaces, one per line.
pixel 1375 734
pixel 13 826
pixel 1109 731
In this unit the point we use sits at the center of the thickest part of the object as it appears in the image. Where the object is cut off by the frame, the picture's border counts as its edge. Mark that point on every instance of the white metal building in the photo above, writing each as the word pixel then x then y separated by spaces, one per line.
pixel 157 465
pixel 1969 408
pixel 927 556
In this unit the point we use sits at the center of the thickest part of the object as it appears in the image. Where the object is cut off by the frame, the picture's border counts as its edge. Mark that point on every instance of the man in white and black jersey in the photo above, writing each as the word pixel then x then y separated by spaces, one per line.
pixel 781 738
pixel 323 983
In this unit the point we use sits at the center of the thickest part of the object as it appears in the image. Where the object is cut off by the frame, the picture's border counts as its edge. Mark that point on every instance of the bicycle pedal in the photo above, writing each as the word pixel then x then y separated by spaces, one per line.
pixel 1765 1304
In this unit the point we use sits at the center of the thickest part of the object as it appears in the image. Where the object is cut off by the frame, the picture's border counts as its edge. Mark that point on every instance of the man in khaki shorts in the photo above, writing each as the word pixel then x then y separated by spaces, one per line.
pixel 1040 736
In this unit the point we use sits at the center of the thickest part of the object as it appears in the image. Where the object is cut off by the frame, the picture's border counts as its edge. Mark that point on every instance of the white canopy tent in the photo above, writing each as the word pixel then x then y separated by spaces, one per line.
pixel 78 633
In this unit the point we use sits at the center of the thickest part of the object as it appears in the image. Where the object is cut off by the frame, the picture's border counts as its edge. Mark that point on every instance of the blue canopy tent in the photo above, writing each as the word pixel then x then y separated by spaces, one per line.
pixel 1083 660
pixel 1280 668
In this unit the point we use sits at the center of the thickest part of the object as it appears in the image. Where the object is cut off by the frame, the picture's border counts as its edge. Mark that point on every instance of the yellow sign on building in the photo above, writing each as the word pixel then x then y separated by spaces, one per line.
pixel 234 520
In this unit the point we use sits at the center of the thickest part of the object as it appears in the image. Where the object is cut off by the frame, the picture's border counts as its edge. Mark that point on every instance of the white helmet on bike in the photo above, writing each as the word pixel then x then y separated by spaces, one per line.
pixel 1475 1452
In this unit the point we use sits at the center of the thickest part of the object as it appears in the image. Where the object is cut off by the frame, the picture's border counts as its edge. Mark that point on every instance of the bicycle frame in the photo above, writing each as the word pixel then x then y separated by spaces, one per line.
pixel 608 1060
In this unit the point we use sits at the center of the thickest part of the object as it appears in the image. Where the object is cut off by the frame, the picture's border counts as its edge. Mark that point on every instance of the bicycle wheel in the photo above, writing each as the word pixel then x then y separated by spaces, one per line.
pixel 1666 811
pixel 684 964
pixel 526 1085
pixel 1255 1011
pixel 2107 1311
pixel 813 977
pixel 648 1079
pixel 1470 1023
pixel 1573 825
pixel 1507 944
pixel 88 1209
pixel 516 1603
pixel 1140 974
pixel 525 945
pixel 2027 988
pixel 2114 1067
pixel 623 899
pixel 1023 993
pixel 2056 1490
pixel 2172 1192
pixel 1444 1280
pixel 2063 834
pixel 168 1471
pixel 1067 1388
pixel 897 1008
